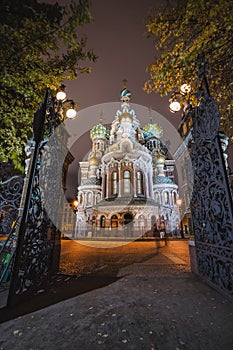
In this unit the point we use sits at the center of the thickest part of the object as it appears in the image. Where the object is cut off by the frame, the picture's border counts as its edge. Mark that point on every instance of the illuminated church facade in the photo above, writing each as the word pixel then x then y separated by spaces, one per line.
pixel 127 183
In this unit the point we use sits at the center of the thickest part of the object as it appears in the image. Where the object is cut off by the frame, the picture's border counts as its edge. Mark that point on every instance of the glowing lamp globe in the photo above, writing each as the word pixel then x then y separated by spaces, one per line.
pixel 71 113
pixel 174 106
pixel 61 95
pixel 185 89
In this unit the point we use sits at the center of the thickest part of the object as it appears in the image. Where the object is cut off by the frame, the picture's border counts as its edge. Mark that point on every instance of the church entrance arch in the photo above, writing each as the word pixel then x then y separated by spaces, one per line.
pixel 127 218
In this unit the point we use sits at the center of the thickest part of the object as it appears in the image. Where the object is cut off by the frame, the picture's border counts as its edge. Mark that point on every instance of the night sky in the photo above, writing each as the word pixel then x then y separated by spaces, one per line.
pixel 118 38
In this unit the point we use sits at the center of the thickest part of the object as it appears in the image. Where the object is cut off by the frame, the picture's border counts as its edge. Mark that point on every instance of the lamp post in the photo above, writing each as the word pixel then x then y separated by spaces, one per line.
pixel 179 98
pixel 179 203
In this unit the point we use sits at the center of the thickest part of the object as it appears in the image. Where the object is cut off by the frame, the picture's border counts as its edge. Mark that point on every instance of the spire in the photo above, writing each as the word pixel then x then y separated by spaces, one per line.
pixel 101 116
pixel 125 81
pixel 150 114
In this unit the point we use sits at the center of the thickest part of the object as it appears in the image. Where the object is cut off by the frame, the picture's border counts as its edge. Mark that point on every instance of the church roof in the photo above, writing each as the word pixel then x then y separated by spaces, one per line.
pixel 92 181
pixel 162 180
pixel 126 201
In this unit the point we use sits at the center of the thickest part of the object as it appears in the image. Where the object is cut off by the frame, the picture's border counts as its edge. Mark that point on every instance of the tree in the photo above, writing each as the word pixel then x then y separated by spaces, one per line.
pixel 184 29
pixel 40 47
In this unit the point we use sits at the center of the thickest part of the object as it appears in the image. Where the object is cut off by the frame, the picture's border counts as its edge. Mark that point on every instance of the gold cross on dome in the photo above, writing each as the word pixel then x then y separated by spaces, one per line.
pixel 150 114
pixel 125 81
pixel 101 116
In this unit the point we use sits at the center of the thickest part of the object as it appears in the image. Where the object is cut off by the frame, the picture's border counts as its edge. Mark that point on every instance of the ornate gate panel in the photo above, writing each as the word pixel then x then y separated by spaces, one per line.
pixel 38 244
pixel 10 197
pixel 211 203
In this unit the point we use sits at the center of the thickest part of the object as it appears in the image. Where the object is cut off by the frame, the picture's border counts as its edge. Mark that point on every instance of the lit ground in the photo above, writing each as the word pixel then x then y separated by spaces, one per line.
pixel 78 258
pixel 156 303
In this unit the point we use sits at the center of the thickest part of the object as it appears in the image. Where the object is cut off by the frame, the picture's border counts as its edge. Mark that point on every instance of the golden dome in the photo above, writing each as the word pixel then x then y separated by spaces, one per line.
pixel 126 117
pixel 93 161
pixel 160 159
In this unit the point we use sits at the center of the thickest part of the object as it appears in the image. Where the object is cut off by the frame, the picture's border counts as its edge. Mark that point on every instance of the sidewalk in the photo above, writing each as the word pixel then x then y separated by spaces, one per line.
pixel 154 305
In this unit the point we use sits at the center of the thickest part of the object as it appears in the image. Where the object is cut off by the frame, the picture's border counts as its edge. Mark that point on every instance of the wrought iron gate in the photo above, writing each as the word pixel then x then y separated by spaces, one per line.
pixel 38 239
pixel 211 204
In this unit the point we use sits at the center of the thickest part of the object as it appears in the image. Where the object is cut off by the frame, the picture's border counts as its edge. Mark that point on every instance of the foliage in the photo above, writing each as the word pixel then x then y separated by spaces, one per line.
pixel 184 29
pixel 40 47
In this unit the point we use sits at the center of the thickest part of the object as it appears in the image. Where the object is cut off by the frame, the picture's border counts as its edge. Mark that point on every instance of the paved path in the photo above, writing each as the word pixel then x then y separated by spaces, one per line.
pixel 154 304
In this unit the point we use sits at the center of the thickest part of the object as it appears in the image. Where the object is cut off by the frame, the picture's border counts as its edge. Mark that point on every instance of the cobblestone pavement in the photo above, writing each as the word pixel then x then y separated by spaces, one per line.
pixel 155 303
pixel 78 258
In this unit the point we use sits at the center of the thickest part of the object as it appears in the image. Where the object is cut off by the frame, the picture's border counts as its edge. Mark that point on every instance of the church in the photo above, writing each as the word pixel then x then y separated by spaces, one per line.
pixel 127 186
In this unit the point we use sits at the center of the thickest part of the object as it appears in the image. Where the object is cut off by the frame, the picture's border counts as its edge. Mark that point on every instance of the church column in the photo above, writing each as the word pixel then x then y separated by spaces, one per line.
pixel 134 181
pixel 147 184
pixel 107 183
pixel 119 180
pixel 103 195
pixel 150 184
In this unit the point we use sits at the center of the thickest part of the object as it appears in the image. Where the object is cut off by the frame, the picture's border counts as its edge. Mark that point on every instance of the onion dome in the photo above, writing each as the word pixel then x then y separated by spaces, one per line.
pixel 152 130
pixel 125 95
pixel 125 117
pixel 99 131
pixel 159 159
pixel 94 161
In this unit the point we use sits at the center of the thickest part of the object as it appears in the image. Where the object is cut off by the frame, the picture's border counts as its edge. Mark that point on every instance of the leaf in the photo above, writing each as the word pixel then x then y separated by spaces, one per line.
pixel 180 34
pixel 31 60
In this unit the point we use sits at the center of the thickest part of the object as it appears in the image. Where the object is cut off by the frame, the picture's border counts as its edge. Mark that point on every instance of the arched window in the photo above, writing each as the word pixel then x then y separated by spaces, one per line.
pixel 174 198
pixel 102 221
pixel 114 182
pixel 98 197
pixel 114 221
pixel 139 182
pixel 80 198
pixel 126 182
pixel 157 197
pixel 166 197
pixel 89 198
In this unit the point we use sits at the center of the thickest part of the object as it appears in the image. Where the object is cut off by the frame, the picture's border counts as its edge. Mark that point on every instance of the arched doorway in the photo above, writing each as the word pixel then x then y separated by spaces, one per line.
pixel 141 224
pixel 114 221
pixel 127 224
pixel 127 218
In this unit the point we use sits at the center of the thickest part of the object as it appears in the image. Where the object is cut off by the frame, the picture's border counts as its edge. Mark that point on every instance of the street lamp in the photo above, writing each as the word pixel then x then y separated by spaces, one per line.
pixel 62 101
pixel 179 98
pixel 179 203
pixel 75 205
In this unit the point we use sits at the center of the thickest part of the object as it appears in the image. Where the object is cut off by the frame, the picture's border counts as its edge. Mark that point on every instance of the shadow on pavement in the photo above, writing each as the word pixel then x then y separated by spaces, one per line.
pixel 61 287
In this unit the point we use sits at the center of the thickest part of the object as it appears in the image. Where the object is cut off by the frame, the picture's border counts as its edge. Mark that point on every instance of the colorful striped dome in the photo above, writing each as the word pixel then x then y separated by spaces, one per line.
pixel 151 130
pixel 99 131
pixel 125 95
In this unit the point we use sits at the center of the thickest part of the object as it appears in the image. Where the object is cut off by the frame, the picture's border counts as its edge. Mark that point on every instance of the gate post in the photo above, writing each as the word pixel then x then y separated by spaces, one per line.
pixel 211 203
